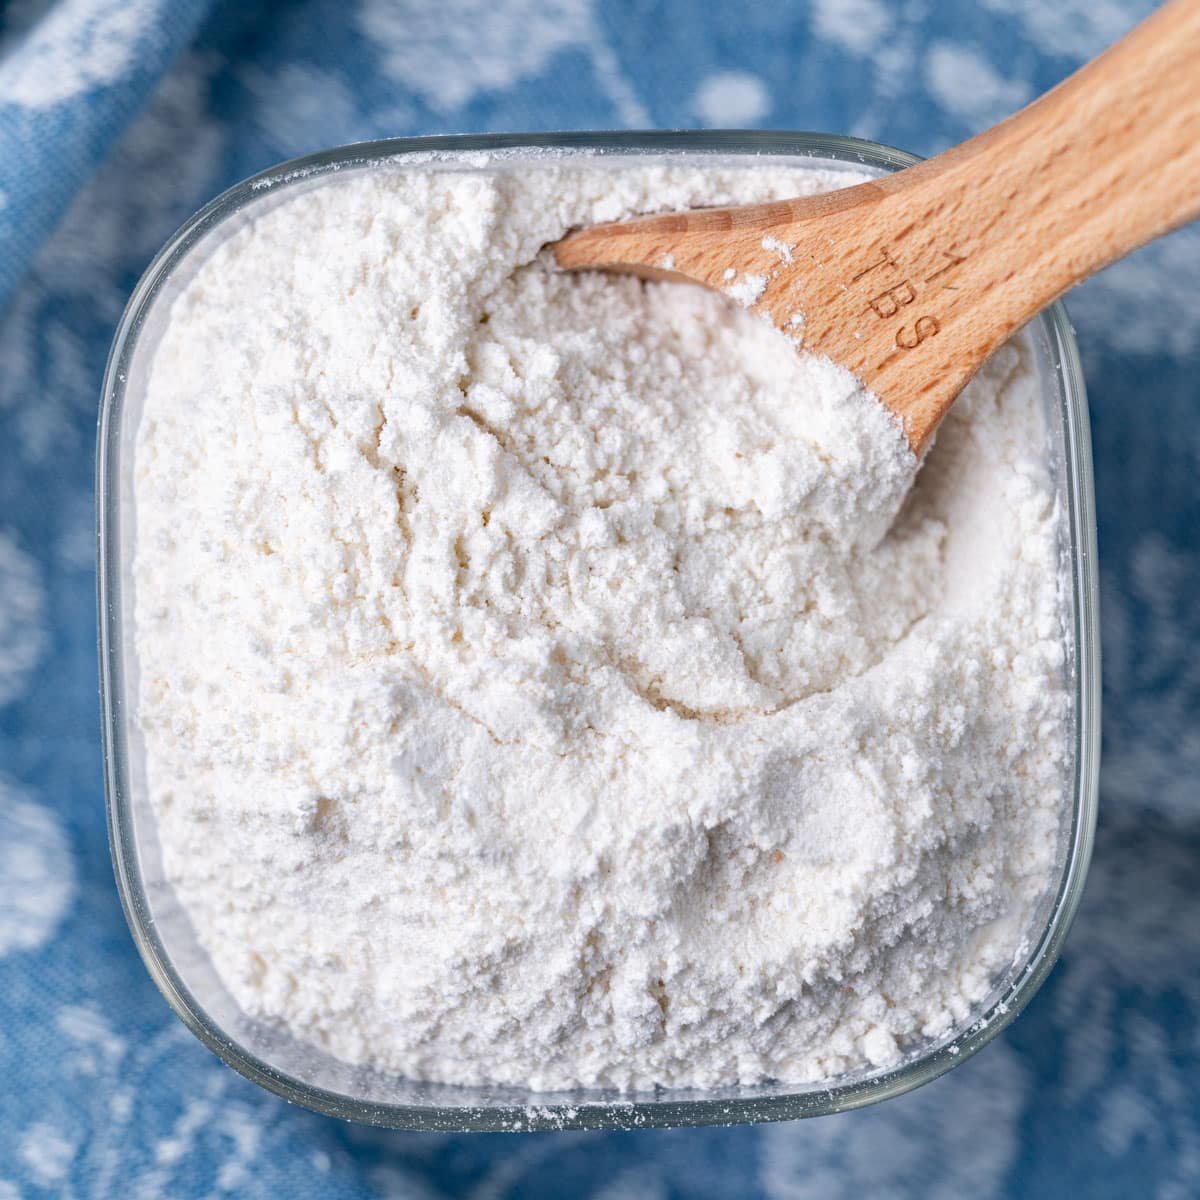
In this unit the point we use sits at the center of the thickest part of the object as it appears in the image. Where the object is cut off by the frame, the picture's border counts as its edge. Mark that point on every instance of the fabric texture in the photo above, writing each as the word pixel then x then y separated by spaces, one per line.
pixel 117 119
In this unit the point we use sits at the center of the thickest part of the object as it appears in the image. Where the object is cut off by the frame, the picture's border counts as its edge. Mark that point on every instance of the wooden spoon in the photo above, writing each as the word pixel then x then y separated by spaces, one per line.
pixel 913 279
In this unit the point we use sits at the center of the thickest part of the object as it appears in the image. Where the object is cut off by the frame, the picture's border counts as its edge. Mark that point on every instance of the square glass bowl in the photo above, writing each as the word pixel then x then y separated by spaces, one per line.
pixel 163 931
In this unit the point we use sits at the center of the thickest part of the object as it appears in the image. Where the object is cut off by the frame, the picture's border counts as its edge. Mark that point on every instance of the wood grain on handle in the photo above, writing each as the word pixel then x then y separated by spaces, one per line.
pixel 912 280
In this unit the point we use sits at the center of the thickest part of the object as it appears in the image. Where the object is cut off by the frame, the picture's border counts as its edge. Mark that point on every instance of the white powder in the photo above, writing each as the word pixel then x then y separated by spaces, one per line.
pixel 527 693
pixel 781 248
pixel 748 290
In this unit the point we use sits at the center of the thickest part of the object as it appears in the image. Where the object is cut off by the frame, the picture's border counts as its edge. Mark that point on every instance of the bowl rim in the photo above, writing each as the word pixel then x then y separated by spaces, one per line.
pixel 639 1111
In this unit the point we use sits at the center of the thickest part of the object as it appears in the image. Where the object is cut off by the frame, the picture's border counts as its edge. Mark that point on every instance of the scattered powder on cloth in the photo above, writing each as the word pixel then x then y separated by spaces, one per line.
pixel 557 679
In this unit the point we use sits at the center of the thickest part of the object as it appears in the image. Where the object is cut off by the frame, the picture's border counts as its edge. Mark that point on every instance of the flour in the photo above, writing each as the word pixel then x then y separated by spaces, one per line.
pixel 546 680
pixel 747 290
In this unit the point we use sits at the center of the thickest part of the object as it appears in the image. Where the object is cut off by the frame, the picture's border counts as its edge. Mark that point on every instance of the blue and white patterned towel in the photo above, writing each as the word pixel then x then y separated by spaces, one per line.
pixel 117 119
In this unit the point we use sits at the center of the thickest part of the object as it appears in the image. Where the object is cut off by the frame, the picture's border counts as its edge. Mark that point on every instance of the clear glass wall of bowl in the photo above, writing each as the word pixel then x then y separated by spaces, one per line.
pixel 163 933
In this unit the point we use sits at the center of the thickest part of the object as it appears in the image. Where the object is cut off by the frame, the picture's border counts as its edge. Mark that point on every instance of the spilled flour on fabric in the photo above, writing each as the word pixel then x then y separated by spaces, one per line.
pixel 559 680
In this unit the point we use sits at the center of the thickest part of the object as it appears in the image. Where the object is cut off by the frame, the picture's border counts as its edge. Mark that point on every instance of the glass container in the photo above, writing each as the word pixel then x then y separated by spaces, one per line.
pixel 302 1073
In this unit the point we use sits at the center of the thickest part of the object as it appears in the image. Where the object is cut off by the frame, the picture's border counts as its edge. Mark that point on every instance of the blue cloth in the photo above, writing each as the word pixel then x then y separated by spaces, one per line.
pixel 116 120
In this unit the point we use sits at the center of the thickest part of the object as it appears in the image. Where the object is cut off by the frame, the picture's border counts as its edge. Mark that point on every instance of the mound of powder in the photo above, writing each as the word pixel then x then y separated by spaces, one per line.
pixel 552 679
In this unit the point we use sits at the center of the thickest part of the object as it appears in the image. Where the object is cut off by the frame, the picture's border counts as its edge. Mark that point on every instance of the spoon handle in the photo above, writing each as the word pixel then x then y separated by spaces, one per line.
pixel 1003 224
